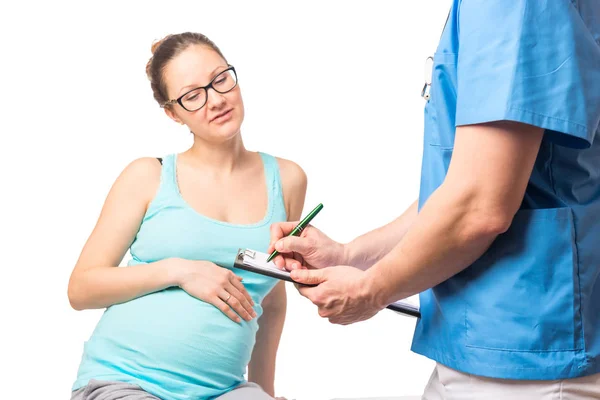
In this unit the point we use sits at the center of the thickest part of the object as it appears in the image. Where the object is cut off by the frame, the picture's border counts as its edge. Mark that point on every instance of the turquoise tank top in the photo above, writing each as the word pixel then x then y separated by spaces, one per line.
pixel 169 343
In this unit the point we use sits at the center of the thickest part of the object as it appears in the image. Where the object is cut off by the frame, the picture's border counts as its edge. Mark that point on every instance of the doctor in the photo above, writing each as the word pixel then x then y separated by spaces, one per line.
pixel 505 247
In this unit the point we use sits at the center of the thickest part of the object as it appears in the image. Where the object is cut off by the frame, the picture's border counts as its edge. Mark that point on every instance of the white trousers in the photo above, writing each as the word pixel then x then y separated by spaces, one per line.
pixel 448 384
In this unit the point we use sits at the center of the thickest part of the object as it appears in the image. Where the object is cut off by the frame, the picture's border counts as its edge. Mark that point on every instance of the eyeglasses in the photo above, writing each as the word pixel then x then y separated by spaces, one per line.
pixel 196 98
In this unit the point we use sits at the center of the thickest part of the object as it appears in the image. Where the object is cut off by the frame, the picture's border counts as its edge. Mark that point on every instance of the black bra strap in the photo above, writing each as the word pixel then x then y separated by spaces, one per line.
pixel 159 160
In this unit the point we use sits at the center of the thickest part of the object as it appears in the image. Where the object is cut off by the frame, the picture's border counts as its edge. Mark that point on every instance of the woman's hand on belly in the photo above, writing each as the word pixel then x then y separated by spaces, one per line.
pixel 218 286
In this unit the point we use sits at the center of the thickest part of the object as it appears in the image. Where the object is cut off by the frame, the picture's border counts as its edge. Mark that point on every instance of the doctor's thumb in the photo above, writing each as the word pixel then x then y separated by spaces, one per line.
pixel 294 244
pixel 308 276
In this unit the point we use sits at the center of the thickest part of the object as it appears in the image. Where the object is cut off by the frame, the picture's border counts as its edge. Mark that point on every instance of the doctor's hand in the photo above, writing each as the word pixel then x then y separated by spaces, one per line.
pixel 342 295
pixel 312 249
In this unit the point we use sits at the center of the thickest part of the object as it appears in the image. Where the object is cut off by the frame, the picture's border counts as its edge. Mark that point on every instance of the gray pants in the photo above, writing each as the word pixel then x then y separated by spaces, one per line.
pixel 111 390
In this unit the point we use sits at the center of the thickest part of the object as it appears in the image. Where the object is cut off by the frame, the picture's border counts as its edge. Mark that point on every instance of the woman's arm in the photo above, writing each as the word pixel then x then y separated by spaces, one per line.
pixel 95 282
pixel 261 369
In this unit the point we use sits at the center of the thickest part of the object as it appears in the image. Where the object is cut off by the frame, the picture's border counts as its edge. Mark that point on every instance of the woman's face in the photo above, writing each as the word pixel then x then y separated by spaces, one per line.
pixel 221 117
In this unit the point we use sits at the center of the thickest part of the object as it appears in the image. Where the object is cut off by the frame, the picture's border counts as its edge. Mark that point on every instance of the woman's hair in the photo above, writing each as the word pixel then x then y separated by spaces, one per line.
pixel 167 49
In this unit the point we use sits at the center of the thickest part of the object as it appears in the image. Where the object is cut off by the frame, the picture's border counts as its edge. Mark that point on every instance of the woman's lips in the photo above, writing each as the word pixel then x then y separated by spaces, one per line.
pixel 222 117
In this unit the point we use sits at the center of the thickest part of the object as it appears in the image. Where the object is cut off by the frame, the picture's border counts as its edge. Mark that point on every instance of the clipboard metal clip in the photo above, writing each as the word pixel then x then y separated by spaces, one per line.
pixel 250 253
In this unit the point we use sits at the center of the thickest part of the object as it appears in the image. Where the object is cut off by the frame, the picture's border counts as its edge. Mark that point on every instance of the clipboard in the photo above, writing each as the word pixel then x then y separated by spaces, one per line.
pixel 256 261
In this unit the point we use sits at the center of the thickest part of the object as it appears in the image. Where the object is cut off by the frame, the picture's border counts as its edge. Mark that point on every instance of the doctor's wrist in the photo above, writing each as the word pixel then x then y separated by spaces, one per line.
pixel 346 254
pixel 380 292
pixel 353 256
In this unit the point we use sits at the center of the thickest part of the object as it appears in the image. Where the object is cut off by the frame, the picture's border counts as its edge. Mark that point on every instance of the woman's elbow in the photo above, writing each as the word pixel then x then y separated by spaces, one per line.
pixel 74 301
pixel 74 293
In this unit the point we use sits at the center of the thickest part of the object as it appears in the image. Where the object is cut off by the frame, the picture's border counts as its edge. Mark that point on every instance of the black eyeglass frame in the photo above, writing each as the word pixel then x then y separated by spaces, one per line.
pixel 209 86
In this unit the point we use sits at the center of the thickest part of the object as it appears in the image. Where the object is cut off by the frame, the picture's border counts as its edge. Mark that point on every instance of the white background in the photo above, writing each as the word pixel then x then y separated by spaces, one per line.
pixel 331 85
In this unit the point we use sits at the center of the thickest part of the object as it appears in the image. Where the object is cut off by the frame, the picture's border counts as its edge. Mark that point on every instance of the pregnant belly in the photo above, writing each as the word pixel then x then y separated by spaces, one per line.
pixel 171 338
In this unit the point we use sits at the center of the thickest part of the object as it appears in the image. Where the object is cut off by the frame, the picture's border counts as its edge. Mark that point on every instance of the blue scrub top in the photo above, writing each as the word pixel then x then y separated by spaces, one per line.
pixel 529 308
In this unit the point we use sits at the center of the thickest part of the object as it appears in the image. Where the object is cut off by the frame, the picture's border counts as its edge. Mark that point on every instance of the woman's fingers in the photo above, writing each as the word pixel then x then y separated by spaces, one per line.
pixel 226 309
pixel 239 303
pixel 237 282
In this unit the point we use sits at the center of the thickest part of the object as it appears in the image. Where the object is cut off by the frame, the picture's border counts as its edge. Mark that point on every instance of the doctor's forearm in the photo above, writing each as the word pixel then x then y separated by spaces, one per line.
pixel 366 250
pixel 452 230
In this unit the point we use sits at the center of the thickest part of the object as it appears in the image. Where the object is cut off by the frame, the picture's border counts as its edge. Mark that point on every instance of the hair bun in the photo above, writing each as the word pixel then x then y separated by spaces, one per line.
pixel 157 43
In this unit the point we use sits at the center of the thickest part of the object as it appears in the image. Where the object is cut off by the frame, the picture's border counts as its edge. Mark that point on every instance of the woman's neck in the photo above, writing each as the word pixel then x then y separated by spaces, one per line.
pixel 222 157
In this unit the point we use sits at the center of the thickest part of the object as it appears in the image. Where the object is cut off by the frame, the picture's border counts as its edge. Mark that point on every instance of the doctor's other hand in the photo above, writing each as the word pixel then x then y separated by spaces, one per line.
pixel 312 249
pixel 216 285
pixel 342 293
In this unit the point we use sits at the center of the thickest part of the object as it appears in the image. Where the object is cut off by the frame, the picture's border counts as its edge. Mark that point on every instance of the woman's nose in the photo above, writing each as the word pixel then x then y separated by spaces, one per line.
pixel 214 98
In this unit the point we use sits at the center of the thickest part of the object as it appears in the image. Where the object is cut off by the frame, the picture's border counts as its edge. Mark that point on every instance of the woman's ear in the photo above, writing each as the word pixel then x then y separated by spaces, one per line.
pixel 171 114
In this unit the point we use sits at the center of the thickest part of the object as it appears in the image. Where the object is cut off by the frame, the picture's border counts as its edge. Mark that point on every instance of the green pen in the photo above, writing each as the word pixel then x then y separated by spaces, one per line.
pixel 300 227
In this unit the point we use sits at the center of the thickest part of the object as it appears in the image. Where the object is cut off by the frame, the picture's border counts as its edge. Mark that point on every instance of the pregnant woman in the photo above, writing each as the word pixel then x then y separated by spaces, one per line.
pixel 180 323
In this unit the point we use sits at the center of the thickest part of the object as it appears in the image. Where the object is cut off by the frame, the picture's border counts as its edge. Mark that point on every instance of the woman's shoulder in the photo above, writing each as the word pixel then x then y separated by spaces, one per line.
pixel 293 186
pixel 144 168
pixel 141 176
pixel 291 173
